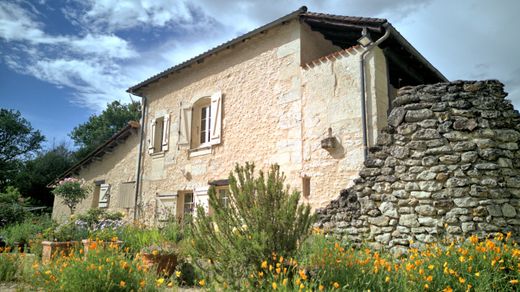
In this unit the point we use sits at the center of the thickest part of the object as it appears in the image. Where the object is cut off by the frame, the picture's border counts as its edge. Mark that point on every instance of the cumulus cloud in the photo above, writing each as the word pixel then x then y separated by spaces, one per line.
pixel 103 58
pixel 113 15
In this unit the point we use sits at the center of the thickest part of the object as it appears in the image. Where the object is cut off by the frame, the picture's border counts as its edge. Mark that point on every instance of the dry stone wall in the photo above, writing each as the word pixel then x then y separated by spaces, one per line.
pixel 447 165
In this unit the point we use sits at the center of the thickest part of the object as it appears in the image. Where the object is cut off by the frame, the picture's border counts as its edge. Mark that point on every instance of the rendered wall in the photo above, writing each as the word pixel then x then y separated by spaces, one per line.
pixel 448 165
pixel 115 168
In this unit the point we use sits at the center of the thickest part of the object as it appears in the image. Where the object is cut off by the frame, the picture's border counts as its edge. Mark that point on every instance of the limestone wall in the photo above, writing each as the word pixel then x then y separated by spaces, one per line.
pixel 331 99
pixel 267 93
pixel 114 168
pixel 447 165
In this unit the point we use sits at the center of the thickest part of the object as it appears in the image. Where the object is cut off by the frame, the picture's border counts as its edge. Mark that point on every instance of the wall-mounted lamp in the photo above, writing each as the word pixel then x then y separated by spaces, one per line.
pixel 365 39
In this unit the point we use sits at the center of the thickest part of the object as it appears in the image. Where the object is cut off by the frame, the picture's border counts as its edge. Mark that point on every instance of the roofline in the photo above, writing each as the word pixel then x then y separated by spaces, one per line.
pixel 301 11
pixel 414 52
pixel 134 89
pixel 131 125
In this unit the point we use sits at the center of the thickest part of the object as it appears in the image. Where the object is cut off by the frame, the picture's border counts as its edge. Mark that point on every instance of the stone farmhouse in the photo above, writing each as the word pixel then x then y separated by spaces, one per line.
pixel 308 91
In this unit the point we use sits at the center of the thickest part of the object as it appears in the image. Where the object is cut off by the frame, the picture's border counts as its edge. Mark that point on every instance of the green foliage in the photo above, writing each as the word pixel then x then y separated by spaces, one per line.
pixel 262 217
pixel 9 265
pixel 18 140
pixel 68 231
pixel 325 264
pixel 37 173
pixel 137 238
pixel 103 269
pixel 71 191
pixel 28 232
pixel 11 210
pixel 99 128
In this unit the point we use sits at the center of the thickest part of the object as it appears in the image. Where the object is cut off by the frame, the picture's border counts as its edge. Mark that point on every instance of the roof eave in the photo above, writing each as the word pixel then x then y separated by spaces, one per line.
pixel 414 52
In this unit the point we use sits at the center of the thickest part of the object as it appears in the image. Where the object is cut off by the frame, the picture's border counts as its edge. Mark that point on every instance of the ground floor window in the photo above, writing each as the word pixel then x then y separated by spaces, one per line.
pixel 188 204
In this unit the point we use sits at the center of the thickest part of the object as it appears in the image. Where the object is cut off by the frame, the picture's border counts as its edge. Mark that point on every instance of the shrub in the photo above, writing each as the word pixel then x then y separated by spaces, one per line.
pixel 72 191
pixel 9 264
pixel 102 269
pixel 261 217
pixel 11 211
pixel 27 232
pixel 135 238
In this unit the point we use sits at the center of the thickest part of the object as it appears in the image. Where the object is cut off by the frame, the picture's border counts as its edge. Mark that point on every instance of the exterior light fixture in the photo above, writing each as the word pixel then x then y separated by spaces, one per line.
pixel 364 40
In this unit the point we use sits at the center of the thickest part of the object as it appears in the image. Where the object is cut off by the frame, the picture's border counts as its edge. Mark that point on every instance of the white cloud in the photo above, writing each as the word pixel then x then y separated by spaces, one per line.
pixel 113 15
pixel 464 39
pixel 95 82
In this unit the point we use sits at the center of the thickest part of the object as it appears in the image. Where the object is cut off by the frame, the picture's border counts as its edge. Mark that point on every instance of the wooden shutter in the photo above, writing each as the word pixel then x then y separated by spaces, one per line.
pixel 216 118
pixel 166 207
pixel 126 195
pixel 185 126
pixel 166 132
pixel 201 198
pixel 152 137
pixel 104 195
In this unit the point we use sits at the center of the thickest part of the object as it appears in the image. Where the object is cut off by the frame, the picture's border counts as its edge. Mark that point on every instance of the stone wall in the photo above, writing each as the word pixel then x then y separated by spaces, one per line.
pixel 447 165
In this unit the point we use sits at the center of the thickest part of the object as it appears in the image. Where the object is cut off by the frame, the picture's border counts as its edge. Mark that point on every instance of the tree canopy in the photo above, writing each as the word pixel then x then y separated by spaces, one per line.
pixel 100 128
pixel 36 173
pixel 18 140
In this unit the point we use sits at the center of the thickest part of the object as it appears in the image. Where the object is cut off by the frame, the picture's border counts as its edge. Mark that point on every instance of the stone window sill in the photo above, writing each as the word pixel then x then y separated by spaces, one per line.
pixel 199 151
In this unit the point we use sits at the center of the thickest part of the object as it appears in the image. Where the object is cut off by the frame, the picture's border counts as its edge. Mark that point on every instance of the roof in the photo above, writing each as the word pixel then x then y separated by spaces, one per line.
pixel 104 148
pixel 343 31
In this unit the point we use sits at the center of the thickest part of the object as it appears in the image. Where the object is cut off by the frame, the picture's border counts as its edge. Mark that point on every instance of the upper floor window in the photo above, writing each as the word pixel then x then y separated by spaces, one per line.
pixel 201 123
pixel 159 134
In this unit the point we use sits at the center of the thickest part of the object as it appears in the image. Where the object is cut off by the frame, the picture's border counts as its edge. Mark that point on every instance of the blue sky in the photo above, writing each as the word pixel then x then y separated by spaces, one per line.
pixel 64 60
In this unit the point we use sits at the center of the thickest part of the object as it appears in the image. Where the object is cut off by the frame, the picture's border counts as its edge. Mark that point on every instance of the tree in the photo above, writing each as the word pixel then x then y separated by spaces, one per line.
pixel 261 218
pixel 72 191
pixel 37 173
pixel 18 140
pixel 99 128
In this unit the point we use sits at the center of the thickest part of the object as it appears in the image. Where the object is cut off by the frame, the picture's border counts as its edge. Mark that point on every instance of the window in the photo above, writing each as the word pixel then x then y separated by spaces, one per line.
pixel 223 196
pixel 200 124
pixel 159 134
pixel 188 204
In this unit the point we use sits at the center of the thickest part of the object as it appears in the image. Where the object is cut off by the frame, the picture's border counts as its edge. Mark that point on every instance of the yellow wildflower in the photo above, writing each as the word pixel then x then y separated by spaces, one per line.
pixel 462 280
pixel 302 286
pixel 159 281
pixel 155 252
pixel 447 289
pixel 260 274
pixel 303 275
pixel 335 285
pixel 514 282
pixel 48 272
pixel 264 265
pixel 387 279
pixel 122 284
pixel 284 282
pixel 429 278
pixel 426 286
pixel 170 284
pixel 430 267
pixel 477 274
pixel 202 283
pixel 274 285
pixel 178 274
pixel 142 283
pixel 321 287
